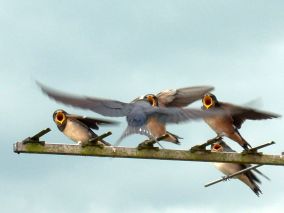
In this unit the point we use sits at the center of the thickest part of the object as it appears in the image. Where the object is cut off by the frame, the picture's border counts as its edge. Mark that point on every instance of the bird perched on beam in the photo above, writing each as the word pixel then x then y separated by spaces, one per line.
pixel 137 113
pixel 79 128
pixel 228 123
pixel 248 177
pixel 171 98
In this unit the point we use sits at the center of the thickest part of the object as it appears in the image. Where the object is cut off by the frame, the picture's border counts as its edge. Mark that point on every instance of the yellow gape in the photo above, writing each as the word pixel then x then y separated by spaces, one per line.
pixel 152 100
pixel 207 101
pixel 60 117
pixel 217 148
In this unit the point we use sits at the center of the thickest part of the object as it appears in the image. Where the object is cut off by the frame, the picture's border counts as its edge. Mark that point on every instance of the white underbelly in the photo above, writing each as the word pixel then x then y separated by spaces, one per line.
pixel 77 132
pixel 227 168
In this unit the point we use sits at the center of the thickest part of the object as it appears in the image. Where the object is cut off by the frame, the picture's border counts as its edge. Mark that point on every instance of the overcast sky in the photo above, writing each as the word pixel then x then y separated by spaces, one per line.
pixel 121 50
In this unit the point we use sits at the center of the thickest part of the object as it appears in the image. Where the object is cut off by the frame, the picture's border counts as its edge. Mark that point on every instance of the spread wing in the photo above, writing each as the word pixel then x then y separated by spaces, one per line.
pixel 240 114
pixel 182 97
pixel 92 123
pixel 130 130
pixel 177 115
pixel 104 107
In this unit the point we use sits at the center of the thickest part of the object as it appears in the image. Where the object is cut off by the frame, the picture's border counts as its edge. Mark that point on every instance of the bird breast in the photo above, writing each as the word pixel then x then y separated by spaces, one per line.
pixel 220 124
pixel 156 128
pixel 77 132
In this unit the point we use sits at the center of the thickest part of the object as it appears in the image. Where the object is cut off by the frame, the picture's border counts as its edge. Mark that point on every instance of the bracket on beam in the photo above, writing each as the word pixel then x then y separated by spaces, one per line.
pixel 149 144
pixel 254 150
pixel 96 141
pixel 203 146
pixel 36 137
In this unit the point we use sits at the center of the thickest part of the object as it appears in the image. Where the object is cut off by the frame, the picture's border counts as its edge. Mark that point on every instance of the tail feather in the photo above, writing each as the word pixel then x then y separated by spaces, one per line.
pixel 256 189
pixel 263 175
pixel 174 137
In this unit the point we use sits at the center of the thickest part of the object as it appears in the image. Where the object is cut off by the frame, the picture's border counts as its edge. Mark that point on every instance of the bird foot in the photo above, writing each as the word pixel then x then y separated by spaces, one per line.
pixel 147 144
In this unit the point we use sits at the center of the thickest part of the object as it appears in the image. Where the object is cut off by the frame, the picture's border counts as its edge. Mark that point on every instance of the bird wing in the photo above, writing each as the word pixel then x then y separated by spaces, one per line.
pixel 104 107
pixel 92 123
pixel 130 130
pixel 182 97
pixel 240 113
pixel 177 115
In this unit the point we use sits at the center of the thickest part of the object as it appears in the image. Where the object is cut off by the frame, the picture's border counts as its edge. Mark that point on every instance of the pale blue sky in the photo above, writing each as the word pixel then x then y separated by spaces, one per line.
pixel 121 50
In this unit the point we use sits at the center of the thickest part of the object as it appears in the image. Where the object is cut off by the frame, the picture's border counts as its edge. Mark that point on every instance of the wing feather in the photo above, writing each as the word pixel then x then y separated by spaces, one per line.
pixel 182 97
pixel 104 107
pixel 92 123
pixel 178 115
pixel 240 113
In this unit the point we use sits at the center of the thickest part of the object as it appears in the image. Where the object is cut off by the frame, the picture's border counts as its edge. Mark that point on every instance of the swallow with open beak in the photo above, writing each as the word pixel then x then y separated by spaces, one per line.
pixel 137 113
pixel 172 98
pixel 79 128
pixel 248 177
pixel 228 123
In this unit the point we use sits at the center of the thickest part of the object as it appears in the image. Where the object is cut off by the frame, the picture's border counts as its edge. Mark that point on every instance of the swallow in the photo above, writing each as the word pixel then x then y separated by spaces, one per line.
pixel 172 98
pixel 248 177
pixel 79 128
pixel 137 113
pixel 228 123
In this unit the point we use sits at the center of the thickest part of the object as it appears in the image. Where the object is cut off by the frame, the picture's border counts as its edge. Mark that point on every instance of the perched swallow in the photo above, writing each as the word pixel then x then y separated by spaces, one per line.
pixel 137 113
pixel 248 177
pixel 172 98
pixel 78 128
pixel 228 123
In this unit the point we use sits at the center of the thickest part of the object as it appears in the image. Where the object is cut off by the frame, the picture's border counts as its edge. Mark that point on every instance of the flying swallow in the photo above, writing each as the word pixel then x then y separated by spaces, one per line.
pixel 172 98
pixel 79 128
pixel 228 123
pixel 248 177
pixel 137 113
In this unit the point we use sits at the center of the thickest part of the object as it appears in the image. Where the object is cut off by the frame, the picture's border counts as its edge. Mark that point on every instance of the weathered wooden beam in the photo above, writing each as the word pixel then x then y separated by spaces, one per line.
pixel 162 154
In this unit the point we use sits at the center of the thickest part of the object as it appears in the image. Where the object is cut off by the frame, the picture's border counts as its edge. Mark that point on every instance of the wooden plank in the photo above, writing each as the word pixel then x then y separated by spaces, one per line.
pixel 161 154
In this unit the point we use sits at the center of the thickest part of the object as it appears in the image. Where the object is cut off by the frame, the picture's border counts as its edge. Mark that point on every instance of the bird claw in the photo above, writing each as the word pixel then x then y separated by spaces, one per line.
pixel 147 144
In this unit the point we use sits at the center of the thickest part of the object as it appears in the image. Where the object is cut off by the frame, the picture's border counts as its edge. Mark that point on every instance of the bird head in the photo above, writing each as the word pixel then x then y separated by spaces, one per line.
pixel 60 117
pixel 152 99
pixel 209 100
pixel 216 147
